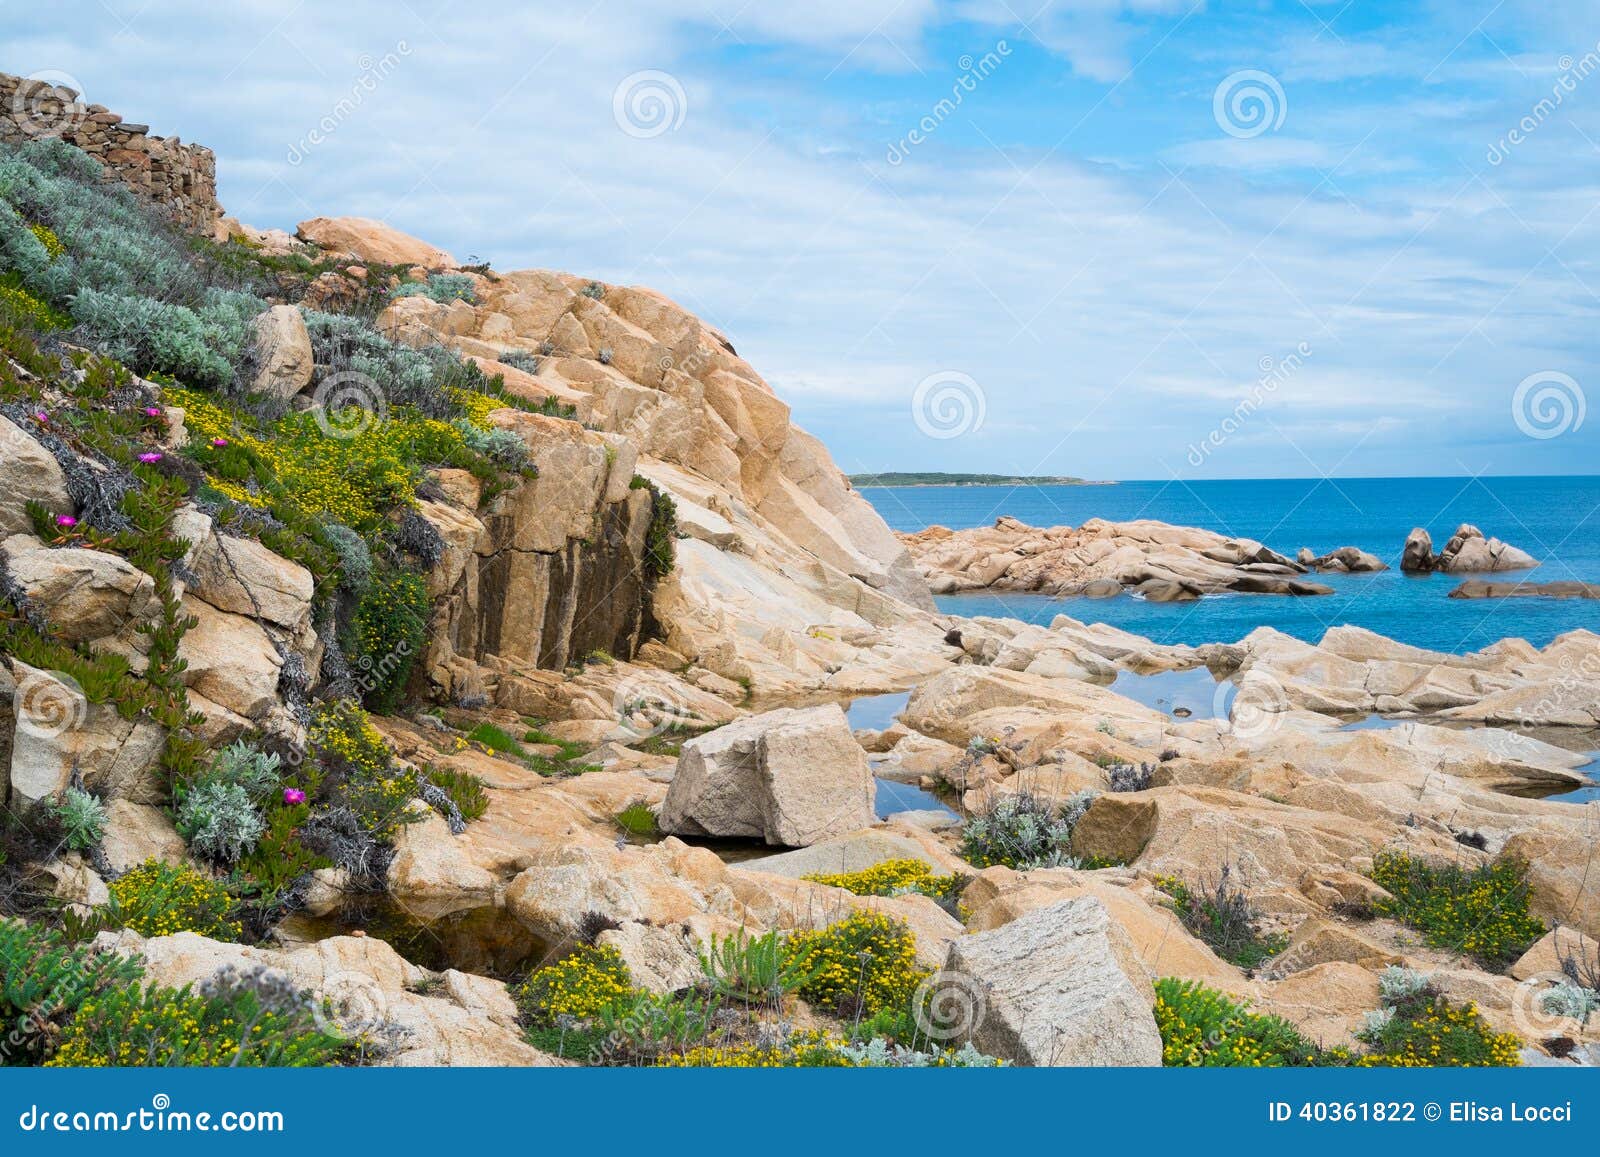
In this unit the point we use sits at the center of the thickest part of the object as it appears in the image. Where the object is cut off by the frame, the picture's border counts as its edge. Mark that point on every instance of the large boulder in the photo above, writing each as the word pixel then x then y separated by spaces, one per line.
pixel 57 732
pixel 1563 885
pixel 243 577
pixel 1469 551
pixel 1060 985
pixel 793 777
pixel 89 596
pixel 28 473
pixel 230 660
pixel 284 361
pixel 372 241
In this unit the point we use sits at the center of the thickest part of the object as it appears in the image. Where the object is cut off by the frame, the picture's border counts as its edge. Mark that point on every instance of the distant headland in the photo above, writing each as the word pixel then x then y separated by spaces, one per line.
pixel 908 478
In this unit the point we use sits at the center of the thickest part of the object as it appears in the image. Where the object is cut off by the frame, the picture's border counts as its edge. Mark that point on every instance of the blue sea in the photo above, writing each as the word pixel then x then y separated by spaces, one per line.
pixel 1557 520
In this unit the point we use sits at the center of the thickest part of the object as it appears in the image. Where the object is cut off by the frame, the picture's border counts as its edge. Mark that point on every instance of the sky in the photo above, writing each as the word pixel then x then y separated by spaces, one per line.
pixel 1105 238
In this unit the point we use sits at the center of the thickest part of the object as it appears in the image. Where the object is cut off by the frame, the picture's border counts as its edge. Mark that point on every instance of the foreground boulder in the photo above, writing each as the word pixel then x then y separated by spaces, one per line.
pixel 792 777
pixel 1059 986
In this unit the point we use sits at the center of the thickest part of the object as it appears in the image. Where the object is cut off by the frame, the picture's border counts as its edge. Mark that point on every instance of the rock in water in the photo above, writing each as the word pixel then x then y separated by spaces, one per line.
pixel 1418 556
pixel 1058 986
pixel 792 777
pixel 1563 589
pixel 1468 551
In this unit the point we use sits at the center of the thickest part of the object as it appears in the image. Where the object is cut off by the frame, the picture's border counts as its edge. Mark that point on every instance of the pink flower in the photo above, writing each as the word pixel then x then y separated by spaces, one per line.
pixel 219 443
pixel 66 521
pixel 42 416
pixel 152 411
pixel 150 458
pixel 293 796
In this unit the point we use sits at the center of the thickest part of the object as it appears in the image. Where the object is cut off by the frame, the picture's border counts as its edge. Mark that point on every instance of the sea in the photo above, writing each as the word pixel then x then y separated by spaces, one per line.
pixel 1557 520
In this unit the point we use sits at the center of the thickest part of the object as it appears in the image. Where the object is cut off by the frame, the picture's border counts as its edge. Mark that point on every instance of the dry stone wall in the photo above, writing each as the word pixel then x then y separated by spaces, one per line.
pixel 180 179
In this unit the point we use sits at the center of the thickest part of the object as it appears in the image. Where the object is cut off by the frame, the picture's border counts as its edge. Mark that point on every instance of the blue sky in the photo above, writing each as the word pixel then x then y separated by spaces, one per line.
pixel 1122 273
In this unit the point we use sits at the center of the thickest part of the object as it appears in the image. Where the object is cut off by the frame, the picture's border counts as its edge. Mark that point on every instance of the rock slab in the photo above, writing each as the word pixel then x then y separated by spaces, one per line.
pixel 1058 986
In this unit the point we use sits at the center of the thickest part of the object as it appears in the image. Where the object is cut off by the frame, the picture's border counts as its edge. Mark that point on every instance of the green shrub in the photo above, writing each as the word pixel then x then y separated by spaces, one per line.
pixel 503 447
pixel 354 768
pixel 863 963
pixel 133 1026
pixel 355 557
pixel 1482 912
pixel 1419 1028
pixel 465 790
pixel 280 859
pixel 410 377
pixel 894 878
pixel 199 347
pixel 575 988
pixel 219 820
pixel 441 287
pixel 660 539
pixel 388 633
pixel 157 899
pixel 638 818
pixel 641 1027
pixel 253 770
pixel 758 969
pixel 1025 831
pixel 43 982
pixel 1200 1027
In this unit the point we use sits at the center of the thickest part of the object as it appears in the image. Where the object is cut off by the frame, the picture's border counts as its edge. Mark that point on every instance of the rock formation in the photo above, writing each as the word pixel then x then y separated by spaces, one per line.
pixel 1149 559
pixel 1467 552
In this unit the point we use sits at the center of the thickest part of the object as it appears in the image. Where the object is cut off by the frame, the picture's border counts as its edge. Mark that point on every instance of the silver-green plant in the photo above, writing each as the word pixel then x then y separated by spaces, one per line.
pixel 219 820
pixel 82 818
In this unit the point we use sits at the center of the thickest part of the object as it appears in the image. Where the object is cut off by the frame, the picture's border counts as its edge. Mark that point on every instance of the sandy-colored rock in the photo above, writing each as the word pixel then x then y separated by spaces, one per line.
pixel 28 473
pixel 1159 562
pixel 57 732
pixel 372 241
pixel 282 349
pixel 793 777
pixel 89 596
pixel 1059 986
